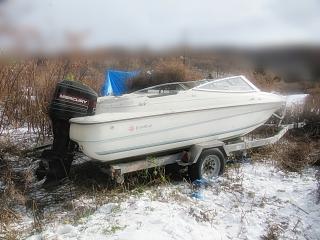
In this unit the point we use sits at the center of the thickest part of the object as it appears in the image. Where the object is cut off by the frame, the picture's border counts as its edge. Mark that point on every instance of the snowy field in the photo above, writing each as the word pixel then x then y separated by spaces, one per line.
pixel 250 201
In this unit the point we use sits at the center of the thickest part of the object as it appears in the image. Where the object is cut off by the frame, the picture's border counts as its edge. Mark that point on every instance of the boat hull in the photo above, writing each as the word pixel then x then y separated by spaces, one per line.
pixel 125 138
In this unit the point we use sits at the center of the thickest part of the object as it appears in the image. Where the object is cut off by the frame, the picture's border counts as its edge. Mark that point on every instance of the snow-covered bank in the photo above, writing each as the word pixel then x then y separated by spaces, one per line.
pixel 246 203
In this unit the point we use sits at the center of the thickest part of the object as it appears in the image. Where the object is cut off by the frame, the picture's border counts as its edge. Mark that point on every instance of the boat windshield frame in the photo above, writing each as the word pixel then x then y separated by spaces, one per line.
pixel 250 84
pixel 198 86
pixel 183 85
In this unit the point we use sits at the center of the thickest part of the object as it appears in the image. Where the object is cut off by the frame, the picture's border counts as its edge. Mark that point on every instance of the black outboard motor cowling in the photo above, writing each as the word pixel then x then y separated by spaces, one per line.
pixel 71 99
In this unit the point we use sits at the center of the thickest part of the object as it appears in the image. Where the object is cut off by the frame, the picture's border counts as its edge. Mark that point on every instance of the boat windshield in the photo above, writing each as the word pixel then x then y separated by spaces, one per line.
pixel 230 84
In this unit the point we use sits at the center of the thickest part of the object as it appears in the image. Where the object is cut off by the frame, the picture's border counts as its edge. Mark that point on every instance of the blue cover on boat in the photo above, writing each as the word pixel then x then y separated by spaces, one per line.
pixel 115 82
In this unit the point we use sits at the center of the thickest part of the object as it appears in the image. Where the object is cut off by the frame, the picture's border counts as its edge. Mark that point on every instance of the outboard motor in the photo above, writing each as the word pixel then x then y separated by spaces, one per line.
pixel 71 99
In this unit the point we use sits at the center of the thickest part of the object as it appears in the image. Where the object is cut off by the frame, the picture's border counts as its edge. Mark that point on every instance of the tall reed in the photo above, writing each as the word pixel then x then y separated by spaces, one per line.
pixel 26 88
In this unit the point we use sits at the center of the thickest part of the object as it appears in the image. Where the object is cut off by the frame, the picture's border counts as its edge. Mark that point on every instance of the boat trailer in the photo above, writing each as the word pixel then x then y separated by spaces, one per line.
pixel 197 153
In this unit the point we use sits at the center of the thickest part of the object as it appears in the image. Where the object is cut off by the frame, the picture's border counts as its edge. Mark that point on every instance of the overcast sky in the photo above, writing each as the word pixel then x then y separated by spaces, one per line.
pixel 158 24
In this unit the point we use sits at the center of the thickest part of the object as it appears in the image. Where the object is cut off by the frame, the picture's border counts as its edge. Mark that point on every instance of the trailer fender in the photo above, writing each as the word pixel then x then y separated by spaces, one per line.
pixel 196 150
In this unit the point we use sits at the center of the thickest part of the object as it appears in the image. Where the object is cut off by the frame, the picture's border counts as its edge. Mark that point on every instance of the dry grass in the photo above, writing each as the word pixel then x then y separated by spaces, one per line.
pixel 300 147
pixel 293 153
pixel 26 88
pixel 293 157
pixel 14 184
pixel 273 232
pixel 10 196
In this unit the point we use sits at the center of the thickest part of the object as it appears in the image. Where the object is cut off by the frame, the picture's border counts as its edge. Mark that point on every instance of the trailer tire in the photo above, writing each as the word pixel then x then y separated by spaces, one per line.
pixel 210 164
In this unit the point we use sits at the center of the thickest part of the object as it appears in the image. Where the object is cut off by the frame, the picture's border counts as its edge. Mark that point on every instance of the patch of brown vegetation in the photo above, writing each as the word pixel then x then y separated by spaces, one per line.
pixel 10 195
pixel 293 153
pixel 293 157
pixel 165 71
pixel 274 231
pixel 26 88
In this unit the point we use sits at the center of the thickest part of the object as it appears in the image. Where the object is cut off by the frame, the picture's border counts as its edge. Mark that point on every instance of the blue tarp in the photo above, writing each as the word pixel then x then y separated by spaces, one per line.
pixel 115 82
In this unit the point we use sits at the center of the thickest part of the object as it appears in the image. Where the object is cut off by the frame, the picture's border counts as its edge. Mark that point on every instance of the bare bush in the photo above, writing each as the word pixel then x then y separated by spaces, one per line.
pixel 164 71
pixel 292 156
pixel 293 153
pixel 311 113
pixel 267 81
pixel 273 232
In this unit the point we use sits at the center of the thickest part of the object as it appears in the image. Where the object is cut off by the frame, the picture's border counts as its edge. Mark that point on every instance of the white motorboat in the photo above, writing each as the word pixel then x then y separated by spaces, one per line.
pixel 171 117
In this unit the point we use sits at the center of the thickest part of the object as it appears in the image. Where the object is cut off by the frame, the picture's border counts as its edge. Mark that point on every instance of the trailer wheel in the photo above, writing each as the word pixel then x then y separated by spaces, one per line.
pixel 210 164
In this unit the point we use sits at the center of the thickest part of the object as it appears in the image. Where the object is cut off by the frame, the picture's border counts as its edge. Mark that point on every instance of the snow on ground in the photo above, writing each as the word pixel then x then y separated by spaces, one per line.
pixel 23 137
pixel 2 186
pixel 296 99
pixel 247 202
